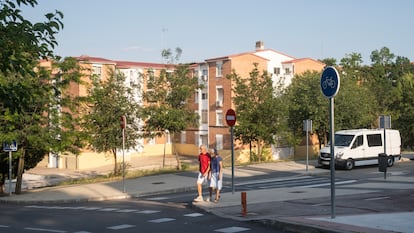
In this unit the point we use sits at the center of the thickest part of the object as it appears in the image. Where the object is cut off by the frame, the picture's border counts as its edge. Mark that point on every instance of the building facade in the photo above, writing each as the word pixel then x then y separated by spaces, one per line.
pixel 210 102
pixel 215 98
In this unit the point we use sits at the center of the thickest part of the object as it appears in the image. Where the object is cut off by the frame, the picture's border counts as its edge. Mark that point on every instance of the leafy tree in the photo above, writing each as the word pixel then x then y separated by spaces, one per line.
pixel 351 66
pixel 306 101
pixel 110 100
pixel 329 61
pixel 354 105
pixel 167 109
pixel 404 110
pixel 33 111
pixel 259 109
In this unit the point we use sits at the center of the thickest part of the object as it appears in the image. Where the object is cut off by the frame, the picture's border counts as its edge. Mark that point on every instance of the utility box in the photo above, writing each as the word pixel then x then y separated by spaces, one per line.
pixel 382 162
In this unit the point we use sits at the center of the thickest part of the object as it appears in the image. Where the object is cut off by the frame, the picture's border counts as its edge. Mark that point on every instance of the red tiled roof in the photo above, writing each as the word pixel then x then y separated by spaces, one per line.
pixel 235 55
pixel 301 59
pixel 131 64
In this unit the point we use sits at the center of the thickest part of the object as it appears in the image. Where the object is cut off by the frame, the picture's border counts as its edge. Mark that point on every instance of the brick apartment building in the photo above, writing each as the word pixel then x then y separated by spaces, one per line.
pixel 215 98
pixel 211 102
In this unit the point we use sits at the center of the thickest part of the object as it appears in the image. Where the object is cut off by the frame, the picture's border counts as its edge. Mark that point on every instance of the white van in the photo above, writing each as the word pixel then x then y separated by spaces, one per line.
pixel 358 147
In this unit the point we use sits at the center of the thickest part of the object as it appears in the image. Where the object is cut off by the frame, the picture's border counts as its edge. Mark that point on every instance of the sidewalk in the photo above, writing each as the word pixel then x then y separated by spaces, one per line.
pixel 292 209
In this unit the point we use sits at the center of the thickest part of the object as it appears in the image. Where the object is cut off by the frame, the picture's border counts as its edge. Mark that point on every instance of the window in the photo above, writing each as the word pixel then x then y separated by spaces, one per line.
pixel 359 141
pixel 219 96
pixel 204 140
pixel 219 141
pixel 97 71
pixel 204 117
pixel 287 71
pixel 204 75
pixel 151 75
pixel 276 70
pixel 219 69
pixel 374 140
pixel 203 96
pixel 220 93
pixel 196 96
pixel 219 118
pixel 183 137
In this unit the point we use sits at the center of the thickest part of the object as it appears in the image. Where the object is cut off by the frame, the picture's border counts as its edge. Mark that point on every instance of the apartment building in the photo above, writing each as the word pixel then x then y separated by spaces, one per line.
pixel 135 73
pixel 210 102
pixel 215 98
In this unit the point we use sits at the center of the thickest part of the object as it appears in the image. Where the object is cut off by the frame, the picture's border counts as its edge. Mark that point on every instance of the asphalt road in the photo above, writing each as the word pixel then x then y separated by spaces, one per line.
pixel 117 216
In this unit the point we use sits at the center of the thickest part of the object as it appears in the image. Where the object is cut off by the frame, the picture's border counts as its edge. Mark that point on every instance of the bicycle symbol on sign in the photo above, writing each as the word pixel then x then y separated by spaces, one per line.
pixel 328 82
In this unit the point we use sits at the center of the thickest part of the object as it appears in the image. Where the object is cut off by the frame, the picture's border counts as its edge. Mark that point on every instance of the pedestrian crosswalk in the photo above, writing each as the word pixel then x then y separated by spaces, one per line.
pixel 287 182
pixel 125 226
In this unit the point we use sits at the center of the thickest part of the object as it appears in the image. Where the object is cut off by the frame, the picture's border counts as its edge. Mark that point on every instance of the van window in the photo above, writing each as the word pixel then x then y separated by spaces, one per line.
pixel 374 140
pixel 343 139
pixel 359 141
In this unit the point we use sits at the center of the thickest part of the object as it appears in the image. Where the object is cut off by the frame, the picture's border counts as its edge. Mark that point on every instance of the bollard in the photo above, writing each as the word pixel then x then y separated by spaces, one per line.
pixel 244 203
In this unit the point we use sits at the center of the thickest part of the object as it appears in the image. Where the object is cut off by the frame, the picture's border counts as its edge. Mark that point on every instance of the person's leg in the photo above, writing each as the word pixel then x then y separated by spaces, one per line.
pixel 218 188
pixel 200 181
pixel 200 189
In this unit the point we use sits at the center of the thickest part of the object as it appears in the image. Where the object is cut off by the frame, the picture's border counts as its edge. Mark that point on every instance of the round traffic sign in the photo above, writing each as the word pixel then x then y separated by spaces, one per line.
pixel 330 82
pixel 231 117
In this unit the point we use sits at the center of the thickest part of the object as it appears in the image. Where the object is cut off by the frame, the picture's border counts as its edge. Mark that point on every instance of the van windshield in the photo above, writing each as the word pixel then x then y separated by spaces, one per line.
pixel 343 139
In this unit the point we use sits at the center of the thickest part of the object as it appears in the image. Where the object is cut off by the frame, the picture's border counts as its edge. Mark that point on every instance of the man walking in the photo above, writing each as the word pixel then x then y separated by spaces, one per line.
pixel 204 169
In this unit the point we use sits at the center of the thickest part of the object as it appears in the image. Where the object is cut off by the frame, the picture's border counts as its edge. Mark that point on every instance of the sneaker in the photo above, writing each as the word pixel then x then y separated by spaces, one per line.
pixel 199 198
pixel 208 199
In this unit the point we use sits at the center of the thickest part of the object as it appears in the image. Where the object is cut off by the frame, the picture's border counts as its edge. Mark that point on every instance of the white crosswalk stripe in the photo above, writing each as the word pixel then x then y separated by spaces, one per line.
pixel 193 215
pixel 121 227
pixel 232 229
pixel 162 220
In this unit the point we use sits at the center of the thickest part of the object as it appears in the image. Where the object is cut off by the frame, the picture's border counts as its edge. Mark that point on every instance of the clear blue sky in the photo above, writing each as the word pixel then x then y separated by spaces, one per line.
pixel 137 30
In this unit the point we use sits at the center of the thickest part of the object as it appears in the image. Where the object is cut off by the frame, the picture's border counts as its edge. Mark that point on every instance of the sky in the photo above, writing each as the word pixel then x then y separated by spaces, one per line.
pixel 138 30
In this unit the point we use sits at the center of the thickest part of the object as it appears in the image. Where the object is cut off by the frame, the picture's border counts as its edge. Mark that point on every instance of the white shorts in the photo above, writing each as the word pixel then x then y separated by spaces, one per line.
pixel 216 183
pixel 201 179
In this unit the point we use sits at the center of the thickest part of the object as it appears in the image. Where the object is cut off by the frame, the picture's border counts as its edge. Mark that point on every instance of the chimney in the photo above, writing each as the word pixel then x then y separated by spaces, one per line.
pixel 259 45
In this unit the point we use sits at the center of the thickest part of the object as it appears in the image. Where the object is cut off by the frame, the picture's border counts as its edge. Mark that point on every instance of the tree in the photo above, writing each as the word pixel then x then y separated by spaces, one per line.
pixel 259 109
pixel 32 109
pixel 167 97
pixel 109 100
pixel 306 101
pixel 329 61
pixel 355 106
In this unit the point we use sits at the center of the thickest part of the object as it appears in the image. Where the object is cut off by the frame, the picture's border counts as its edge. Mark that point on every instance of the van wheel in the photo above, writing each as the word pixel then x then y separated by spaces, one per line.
pixel 349 165
pixel 390 161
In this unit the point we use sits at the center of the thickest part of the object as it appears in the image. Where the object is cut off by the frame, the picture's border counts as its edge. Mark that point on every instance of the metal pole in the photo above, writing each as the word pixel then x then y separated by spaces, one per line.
pixel 332 165
pixel 307 144
pixel 123 160
pixel 385 149
pixel 232 159
pixel 10 173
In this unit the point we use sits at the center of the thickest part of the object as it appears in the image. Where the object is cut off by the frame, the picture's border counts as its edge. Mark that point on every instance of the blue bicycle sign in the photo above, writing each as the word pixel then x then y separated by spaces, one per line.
pixel 330 82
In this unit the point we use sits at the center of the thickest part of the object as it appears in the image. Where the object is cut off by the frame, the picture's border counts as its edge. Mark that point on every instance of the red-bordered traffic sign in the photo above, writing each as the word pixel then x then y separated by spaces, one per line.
pixel 123 122
pixel 231 117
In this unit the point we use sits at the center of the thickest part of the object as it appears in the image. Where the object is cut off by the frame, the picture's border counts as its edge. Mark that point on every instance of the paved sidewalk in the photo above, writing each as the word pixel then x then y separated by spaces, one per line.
pixel 291 209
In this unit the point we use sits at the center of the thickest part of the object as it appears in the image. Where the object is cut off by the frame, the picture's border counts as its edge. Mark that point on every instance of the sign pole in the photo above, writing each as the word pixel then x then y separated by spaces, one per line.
pixel 10 172
pixel 231 120
pixel 10 148
pixel 330 83
pixel 332 165
pixel 123 160
pixel 232 158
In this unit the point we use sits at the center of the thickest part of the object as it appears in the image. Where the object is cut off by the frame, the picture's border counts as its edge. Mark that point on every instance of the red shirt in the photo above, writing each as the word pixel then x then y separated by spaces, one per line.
pixel 204 160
